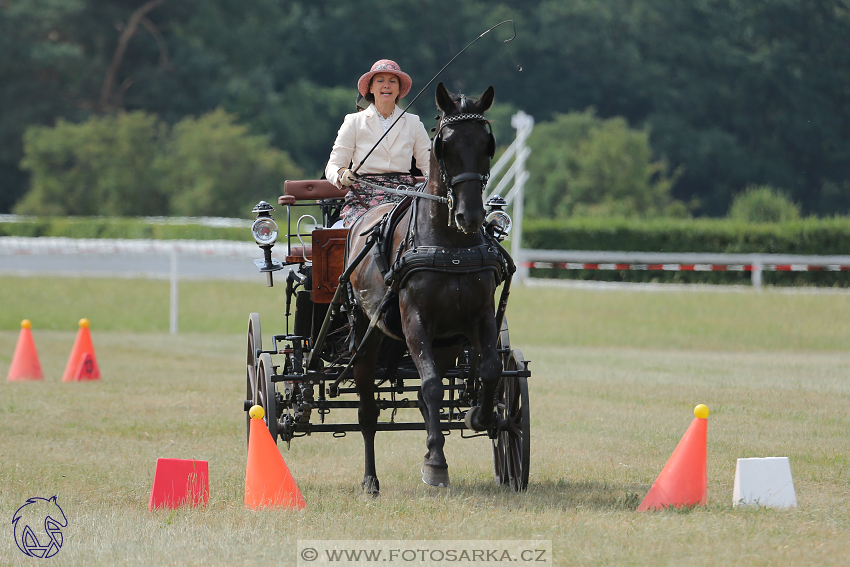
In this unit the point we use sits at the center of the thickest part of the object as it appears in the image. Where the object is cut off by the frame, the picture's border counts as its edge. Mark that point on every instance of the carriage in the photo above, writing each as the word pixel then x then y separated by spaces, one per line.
pixel 300 375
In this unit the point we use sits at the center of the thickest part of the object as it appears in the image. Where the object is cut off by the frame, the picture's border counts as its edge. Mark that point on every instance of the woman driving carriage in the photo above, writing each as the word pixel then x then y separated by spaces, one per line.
pixel 388 164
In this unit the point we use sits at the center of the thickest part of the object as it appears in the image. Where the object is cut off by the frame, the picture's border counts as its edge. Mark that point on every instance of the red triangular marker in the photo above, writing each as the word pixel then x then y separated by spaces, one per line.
pixel 180 482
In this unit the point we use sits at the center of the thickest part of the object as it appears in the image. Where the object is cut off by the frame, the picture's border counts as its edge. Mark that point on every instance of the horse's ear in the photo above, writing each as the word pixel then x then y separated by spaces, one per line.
pixel 486 100
pixel 444 99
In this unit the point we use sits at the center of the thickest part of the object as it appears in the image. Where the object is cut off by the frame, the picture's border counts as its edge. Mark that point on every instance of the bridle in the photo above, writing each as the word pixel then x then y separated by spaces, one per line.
pixel 437 152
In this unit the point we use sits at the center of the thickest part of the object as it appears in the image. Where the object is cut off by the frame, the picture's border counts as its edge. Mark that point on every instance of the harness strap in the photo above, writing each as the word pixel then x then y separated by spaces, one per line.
pixel 467 177
pixel 447 260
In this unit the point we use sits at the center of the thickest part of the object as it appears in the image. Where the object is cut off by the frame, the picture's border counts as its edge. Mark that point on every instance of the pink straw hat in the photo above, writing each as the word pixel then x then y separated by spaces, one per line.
pixel 386 66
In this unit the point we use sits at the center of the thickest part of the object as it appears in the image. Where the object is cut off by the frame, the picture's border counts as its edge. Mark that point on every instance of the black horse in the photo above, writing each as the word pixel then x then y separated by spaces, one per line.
pixel 436 307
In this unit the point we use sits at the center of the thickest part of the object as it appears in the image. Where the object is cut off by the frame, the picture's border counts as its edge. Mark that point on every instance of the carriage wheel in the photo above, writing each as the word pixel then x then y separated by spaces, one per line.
pixel 255 343
pixel 511 449
pixel 266 395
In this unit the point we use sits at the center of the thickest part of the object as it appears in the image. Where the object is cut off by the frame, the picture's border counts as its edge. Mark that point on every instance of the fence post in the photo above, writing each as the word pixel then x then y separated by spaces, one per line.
pixel 755 274
pixel 174 306
pixel 523 123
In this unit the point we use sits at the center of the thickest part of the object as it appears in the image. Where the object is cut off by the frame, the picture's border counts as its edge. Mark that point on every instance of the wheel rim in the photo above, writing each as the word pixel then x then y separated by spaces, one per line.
pixel 511 449
pixel 255 342
pixel 499 457
pixel 266 393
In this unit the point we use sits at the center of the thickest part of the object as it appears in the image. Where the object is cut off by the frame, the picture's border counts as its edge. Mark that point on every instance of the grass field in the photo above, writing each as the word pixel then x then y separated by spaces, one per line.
pixel 616 375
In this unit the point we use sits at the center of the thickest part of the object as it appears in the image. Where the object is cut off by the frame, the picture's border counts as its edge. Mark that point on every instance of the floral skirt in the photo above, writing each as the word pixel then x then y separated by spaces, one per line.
pixel 353 208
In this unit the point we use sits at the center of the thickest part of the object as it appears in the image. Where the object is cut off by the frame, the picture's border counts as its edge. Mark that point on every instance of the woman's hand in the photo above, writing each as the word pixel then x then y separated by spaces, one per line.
pixel 346 177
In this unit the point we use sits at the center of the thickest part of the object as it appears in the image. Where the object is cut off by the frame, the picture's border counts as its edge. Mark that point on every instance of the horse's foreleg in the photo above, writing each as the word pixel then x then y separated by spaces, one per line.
pixel 435 470
pixel 367 413
pixel 480 417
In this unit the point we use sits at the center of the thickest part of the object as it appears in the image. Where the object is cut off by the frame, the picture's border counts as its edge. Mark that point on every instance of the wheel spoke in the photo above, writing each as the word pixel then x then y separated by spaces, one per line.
pixel 266 393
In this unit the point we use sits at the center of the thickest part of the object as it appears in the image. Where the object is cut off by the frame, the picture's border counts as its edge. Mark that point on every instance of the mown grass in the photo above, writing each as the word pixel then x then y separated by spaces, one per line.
pixel 740 320
pixel 616 376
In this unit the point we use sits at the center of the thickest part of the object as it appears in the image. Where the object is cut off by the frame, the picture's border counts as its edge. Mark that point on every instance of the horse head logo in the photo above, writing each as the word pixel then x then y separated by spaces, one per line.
pixel 38 527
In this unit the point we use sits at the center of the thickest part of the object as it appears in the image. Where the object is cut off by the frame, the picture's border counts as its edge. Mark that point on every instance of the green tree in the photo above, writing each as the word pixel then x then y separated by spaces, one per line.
pixel 102 166
pixel 133 164
pixel 215 167
pixel 40 66
pixel 737 93
pixel 763 203
pixel 584 165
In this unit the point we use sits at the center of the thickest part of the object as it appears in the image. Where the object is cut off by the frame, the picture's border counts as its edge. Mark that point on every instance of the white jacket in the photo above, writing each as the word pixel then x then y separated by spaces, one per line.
pixel 358 135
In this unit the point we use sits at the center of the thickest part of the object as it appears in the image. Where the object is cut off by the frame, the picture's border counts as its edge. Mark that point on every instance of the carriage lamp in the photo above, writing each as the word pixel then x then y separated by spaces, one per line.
pixel 497 217
pixel 264 230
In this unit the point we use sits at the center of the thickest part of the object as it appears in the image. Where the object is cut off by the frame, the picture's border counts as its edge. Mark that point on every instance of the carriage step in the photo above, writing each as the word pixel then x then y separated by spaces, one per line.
pixel 382 404
pixel 381 426
pixel 389 389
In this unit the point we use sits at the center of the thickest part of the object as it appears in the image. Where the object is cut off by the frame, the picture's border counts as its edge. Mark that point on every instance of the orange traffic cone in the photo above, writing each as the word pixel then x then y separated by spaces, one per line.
pixel 25 364
pixel 82 365
pixel 268 483
pixel 684 479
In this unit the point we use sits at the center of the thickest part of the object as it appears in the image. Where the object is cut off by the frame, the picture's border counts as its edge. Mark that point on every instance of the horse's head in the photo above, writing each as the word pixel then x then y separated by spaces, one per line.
pixel 463 147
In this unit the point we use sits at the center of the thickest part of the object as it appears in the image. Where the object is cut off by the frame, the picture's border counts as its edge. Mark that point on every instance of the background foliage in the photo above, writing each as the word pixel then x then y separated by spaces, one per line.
pixel 729 94
pixel 763 204
pixel 586 166
pixel 132 163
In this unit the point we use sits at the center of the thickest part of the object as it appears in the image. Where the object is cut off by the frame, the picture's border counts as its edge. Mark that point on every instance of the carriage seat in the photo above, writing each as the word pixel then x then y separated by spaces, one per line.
pixel 329 243
pixel 310 190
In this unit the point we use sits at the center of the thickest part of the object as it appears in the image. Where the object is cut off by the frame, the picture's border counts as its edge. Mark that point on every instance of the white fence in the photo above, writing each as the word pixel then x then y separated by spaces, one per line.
pixel 21 245
pixel 514 160
pixel 756 264
pixel 52 247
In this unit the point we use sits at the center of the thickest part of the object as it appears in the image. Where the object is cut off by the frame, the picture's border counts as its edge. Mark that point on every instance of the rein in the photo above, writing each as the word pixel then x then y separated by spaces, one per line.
pixel 405 190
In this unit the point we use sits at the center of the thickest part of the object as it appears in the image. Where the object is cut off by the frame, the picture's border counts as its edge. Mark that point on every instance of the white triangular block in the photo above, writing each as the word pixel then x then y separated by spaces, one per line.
pixel 764 482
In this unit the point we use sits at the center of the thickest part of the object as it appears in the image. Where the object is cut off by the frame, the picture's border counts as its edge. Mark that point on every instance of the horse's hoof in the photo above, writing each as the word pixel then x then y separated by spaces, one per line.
pixel 370 487
pixel 471 419
pixel 435 476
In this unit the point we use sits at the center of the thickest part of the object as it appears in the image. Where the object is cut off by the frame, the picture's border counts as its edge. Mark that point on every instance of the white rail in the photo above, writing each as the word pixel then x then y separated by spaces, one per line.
pixel 684 261
pixel 14 245
pixel 56 246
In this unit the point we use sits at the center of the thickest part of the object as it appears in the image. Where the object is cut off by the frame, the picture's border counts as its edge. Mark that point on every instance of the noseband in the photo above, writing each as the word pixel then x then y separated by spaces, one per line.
pixel 437 151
